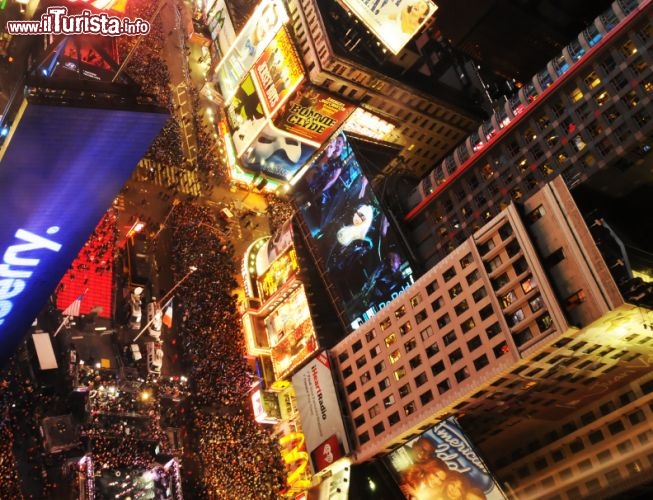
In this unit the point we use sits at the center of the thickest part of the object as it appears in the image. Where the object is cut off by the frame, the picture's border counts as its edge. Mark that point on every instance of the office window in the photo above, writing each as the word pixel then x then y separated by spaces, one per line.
pixel 479 294
pixel 432 350
pixel 467 325
pixel 364 437
pixel 416 299
pixel 384 384
pixel 421 379
pixel 481 362
pixel 461 307
pixel 449 274
pixel 374 411
pixel 437 304
pixel 528 284
pixel 595 436
pixel 375 351
pixel 410 408
pixel 462 374
pixel 576 446
pixel 357 346
pixel 400 312
pixel 379 367
pixel 404 390
pixel 360 420
pixel 420 316
pixel 443 320
pixel 486 312
pixel 394 356
pixel 410 345
pixel 432 287
pixel 500 281
pixel 456 356
pixel 455 290
pixel 365 378
pixel 369 394
pixel 343 356
pixel 443 386
pixel 427 332
pixel 472 277
pixel 347 372
pixel 360 362
pixel 399 373
pixel 351 388
pixel 449 338
pixel 355 404
pixel 394 418
pixel 378 428
pixel 386 323
pixel 474 343
pixel 625 447
pixel 426 397
pixel 493 330
pixel 466 261
pixel 390 339
pixel 415 362
pixel 405 328
pixel 388 401
pixel 437 368
pixel 369 336
pixel 484 248
pixel 616 427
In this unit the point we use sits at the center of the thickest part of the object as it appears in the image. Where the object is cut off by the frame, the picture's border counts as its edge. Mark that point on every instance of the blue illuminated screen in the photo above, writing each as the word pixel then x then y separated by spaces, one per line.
pixel 60 169
pixel 360 251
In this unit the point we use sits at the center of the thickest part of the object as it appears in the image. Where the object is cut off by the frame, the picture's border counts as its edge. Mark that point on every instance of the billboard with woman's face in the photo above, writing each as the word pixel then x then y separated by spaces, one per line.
pixel 359 251
pixel 442 463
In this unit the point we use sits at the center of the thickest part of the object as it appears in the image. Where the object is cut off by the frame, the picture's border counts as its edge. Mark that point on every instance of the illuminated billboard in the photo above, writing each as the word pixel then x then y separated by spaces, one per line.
pixel 312 114
pixel 60 169
pixel 395 22
pixel 278 71
pixel 277 154
pixel 360 253
pixel 220 26
pixel 245 115
pixel 279 272
pixel 291 333
pixel 250 43
pixel 442 461
pixel 317 403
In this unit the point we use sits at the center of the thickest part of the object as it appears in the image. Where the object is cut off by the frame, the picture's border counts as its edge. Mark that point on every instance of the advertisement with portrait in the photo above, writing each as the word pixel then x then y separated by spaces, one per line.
pixel 266 21
pixel 280 271
pixel 278 71
pixel 360 252
pixel 393 22
pixel 277 154
pixel 245 115
pixel 220 26
pixel 442 463
pixel 291 333
pixel 317 403
pixel 312 114
pixel 280 240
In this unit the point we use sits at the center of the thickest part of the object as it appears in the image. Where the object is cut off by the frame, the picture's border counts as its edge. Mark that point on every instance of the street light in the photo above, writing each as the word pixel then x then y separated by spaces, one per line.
pixel 163 300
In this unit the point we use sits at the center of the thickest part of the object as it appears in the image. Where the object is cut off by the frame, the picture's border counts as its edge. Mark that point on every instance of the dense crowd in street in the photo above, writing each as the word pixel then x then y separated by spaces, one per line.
pixel 9 481
pixel 240 458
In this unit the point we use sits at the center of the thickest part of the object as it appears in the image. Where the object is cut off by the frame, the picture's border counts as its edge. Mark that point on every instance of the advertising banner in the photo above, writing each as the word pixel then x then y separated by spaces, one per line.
pixel 291 333
pixel 320 414
pixel 278 71
pixel 393 22
pixel 313 114
pixel 277 154
pixel 279 273
pixel 52 196
pixel 361 254
pixel 442 463
pixel 220 27
pixel 245 115
pixel 250 43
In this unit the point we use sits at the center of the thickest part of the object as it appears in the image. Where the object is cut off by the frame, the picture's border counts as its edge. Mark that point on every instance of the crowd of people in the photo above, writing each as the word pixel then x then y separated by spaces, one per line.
pixel 240 459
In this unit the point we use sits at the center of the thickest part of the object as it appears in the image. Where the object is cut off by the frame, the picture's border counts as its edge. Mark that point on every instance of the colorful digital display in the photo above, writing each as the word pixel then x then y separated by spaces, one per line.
pixel 220 26
pixel 61 166
pixel 250 43
pixel 395 22
pixel 291 333
pixel 361 253
pixel 442 463
pixel 313 114
pixel 279 272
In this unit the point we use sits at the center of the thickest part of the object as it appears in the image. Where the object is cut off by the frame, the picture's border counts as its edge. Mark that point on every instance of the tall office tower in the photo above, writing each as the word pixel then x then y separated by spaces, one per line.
pixel 588 110
pixel 73 139
pixel 521 334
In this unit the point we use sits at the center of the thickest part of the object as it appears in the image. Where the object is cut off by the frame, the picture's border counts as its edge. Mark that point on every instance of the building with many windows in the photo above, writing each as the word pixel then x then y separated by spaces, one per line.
pixel 588 110
pixel 518 325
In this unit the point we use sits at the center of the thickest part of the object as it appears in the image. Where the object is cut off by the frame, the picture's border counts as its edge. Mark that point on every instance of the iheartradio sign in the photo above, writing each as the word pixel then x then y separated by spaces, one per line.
pixel 327 453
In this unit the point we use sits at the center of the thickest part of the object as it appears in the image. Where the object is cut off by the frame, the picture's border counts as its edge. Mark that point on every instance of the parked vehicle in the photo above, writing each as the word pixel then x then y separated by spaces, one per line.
pixel 154 318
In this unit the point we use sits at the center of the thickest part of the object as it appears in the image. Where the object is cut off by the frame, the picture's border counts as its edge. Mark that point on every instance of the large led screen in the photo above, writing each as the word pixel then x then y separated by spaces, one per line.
pixel 220 26
pixel 360 252
pixel 245 115
pixel 60 169
pixel 291 333
pixel 250 43
pixel 441 462
pixel 395 22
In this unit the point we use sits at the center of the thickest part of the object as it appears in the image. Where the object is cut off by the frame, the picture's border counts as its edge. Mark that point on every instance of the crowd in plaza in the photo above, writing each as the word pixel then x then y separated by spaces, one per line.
pixel 240 458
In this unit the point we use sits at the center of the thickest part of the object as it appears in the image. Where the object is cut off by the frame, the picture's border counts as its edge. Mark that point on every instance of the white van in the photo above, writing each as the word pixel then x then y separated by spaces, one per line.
pixel 135 309
pixel 154 356
pixel 154 318
pixel 135 352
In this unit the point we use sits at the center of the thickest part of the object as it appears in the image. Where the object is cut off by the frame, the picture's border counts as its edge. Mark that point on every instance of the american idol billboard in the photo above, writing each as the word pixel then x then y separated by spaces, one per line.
pixel 442 463
pixel 60 169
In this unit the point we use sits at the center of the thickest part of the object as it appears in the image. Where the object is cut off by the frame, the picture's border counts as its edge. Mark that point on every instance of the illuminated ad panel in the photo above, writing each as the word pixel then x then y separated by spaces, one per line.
pixel 320 414
pixel 280 271
pixel 291 333
pixel 281 240
pixel 278 71
pixel 364 123
pixel 250 43
pixel 220 26
pixel 313 115
pixel 393 22
pixel 440 461
pixel 361 254
pixel 60 169
pixel 245 115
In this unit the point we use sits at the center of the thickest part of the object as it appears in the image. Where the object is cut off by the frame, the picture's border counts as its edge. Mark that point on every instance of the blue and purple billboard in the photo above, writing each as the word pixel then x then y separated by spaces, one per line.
pixel 61 166
pixel 360 251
